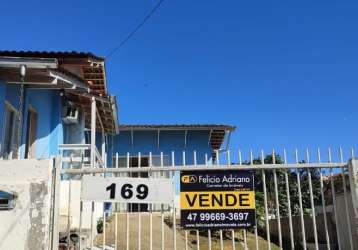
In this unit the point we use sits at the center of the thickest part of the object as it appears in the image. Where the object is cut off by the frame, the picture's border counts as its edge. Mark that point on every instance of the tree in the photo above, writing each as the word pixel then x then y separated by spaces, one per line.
pixel 281 189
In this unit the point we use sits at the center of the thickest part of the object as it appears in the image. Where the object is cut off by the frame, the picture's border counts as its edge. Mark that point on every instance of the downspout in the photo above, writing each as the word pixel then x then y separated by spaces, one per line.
pixel 21 108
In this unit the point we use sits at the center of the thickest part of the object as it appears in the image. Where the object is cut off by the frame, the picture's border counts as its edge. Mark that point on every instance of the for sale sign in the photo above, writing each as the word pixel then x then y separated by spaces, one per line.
pixel 223 199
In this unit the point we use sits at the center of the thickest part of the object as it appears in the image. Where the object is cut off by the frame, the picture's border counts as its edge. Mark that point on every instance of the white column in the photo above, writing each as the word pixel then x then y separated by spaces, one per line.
pixel 93 131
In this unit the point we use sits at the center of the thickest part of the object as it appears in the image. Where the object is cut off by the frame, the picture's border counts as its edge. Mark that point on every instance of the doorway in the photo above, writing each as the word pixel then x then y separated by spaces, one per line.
pixel 134 162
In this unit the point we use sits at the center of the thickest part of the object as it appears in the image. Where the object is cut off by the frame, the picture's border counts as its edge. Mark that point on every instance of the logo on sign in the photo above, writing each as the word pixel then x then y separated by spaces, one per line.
pixel 189 179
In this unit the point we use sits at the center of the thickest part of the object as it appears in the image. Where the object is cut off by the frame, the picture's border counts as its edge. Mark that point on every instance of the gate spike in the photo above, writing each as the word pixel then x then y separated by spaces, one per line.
pixel 217 157
pixel 127 159
pixel 251 158
pixel 194 156
pixel 240 158
pixel 173 159
pixel 307 155
pixel 329 155
pixel 341 154
pixel 183 157
pixel 273 156
pixel 296 155
pixel 228 158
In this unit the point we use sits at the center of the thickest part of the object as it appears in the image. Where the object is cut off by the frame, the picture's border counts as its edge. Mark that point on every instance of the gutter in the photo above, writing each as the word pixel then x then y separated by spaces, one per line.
pixel 33 63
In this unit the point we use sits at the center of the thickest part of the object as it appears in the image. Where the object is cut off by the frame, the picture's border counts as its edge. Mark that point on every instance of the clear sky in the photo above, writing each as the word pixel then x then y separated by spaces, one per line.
pixel 284 72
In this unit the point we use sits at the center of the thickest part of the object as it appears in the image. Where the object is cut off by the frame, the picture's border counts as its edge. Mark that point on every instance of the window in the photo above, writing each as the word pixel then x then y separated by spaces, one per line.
pixel 10 149
pixel 31 134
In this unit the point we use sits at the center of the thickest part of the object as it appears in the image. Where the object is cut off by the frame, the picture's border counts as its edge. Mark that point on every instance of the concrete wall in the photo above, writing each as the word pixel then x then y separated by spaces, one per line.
pixel 75 207
pixel 27 225
pixel 297 230
pixel 342 225
pixel 333 227
pixel 353 181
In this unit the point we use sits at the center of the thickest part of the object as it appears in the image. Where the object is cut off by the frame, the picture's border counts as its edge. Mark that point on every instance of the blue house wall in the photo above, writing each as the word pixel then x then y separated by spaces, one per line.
pixel 47 104
pixel 2 111
pixel 146 141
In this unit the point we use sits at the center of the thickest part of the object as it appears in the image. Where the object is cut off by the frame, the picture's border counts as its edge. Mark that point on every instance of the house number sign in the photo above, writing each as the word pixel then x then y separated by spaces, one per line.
pixel 126 189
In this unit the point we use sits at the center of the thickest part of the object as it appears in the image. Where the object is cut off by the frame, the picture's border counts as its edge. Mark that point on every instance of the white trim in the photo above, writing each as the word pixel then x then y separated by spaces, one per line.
pixel 30 107
pixel 33 110
pixel 11 107
pixel 8 106
pixel 35 63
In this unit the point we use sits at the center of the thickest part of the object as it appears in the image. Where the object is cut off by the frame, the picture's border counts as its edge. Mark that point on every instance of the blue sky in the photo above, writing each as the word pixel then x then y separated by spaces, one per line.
pixel 285 73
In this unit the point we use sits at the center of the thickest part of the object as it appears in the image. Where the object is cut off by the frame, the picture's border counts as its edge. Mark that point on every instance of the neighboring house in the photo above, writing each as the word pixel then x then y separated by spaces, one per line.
pixel 45 101
pixel 203 139
pixel 155 145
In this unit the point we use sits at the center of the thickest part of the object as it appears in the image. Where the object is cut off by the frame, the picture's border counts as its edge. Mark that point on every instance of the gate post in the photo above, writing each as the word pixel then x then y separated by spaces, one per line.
pixel 56 203
pixel 353 181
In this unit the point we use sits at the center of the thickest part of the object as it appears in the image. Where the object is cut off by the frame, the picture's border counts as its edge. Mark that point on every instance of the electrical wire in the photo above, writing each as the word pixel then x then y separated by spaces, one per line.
pixel 146 18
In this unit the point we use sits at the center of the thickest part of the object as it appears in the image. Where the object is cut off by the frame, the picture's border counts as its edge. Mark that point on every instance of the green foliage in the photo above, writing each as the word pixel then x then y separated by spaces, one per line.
pixel 100 225
pixel 281 189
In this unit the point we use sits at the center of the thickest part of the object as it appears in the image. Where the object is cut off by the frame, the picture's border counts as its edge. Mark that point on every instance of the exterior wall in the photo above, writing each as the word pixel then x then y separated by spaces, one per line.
pixel 75 207
pixel 27 225
pixel 74 133
pixel 147 141
pixel 342 221
pixel 2 112
pixel 47 104
pixel 297 231
pixel 334 227
pixel 170 141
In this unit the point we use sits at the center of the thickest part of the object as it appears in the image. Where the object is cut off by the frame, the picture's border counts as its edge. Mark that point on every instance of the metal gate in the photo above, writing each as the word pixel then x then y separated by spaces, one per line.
pixel 303 201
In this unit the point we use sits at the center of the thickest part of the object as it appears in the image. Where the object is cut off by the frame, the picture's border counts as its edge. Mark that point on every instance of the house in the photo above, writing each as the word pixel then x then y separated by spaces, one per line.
pixel 144 145
pixel 203 139
pixel 45 101
pixel 48 101
pixel 57 104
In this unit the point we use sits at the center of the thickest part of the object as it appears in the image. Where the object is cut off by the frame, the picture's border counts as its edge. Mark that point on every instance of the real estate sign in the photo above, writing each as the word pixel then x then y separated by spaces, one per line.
pixel 217 199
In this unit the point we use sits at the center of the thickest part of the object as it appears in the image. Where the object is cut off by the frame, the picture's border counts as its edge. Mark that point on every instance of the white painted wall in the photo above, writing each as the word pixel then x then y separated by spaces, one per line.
pixel 27 225
pixel 75 207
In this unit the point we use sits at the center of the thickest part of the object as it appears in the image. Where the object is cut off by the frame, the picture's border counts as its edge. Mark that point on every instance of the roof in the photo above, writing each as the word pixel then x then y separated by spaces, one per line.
pixel 176 127
pixel 84 68
pixel 216 137
pixel 48 54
